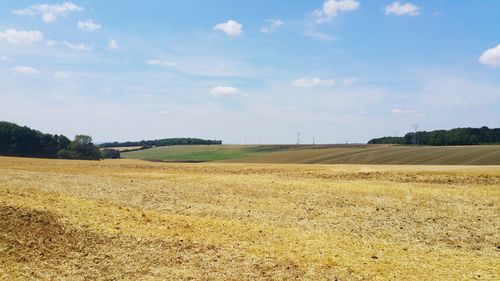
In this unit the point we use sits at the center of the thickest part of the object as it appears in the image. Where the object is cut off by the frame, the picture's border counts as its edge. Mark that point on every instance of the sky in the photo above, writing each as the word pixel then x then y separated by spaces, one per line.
pixel 249 71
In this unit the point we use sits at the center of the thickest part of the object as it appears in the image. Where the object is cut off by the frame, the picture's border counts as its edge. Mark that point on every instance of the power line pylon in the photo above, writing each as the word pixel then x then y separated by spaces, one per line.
pixel 414 140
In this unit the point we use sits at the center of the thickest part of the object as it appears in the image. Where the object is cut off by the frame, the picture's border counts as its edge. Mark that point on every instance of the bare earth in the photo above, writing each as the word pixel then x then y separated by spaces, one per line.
pixel 130 219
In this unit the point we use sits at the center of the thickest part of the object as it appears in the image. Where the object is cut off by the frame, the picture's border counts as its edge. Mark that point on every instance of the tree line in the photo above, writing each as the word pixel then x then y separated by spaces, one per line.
pixel 23 141
pixel 457 136
pixel 161 142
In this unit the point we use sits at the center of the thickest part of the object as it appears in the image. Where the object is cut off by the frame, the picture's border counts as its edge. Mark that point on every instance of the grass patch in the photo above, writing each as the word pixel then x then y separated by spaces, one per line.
pixel 200 153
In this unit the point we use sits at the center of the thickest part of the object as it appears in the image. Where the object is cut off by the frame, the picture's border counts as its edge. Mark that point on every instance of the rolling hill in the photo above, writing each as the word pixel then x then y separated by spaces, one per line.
pixel 202 153
pixel 326 154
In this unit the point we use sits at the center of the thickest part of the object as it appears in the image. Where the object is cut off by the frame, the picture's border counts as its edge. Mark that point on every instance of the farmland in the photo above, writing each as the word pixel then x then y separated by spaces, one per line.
pixel 326 154
pixel 125 148
pixel 131 219
pixel 201 153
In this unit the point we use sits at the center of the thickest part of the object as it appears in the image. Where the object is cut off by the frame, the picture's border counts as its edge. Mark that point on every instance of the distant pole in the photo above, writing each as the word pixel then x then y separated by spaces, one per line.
pixel 245 140
pixel 298 138
pixel 314 141
pixel 414 140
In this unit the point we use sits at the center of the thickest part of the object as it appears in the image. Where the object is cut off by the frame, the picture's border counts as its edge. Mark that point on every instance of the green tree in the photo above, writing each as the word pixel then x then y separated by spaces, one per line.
pixel 110 153
pixel 83 148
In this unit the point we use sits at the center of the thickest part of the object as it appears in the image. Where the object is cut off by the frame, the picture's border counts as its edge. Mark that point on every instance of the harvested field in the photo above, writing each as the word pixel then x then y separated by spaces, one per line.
pixel 130 219
pixel 326 154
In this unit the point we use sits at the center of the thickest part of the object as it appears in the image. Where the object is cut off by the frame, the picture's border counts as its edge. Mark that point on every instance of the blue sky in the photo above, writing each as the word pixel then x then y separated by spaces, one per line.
pixel 335 70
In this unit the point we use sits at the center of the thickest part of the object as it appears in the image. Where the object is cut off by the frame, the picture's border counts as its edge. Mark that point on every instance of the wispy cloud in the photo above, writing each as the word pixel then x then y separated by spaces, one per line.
pixel 49 13
pixel 230 27
pixel 25 70
pixel 348 81
pixel 88 25
pixel 18 37
pixel 401 9
pixel 313 82
pixel 50 42
pixel 158 62
pixel 4 58
pixel 60 75
pixel 221 91
pixel 407 112
pixel 79 47
pixel 271 24
pixel 319 35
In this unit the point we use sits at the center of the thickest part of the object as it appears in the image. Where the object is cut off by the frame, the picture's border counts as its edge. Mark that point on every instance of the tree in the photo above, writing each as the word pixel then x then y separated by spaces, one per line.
pixel 457 136
pixel 110 153
pixel 23 141
pixel 162 142
pixel 83 140
pixel 83 148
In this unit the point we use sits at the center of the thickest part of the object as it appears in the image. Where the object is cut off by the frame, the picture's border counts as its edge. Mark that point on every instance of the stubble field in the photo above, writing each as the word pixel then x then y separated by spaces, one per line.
pixel 130 219
pixel 325 154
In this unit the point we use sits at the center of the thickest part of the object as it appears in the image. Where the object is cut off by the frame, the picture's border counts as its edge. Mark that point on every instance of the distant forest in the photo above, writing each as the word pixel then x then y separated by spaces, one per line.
pixel 23 141
pixel 161 142
pixel 458 136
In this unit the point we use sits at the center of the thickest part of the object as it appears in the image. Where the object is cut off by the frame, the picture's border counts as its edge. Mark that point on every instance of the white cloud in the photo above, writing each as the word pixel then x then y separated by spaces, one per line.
pixel 401 9
pixel 158 62
pixel 313 82
pixel 332 8
pixel 271 25
pixel 4 58
pixel 220 91
pixel 112 44
pixel 24 70
pixel 88 25
pixel 230 27
pixel 18 37
pixel 61 75
pixel 49 12
pixel 79 47
pixel 491 57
